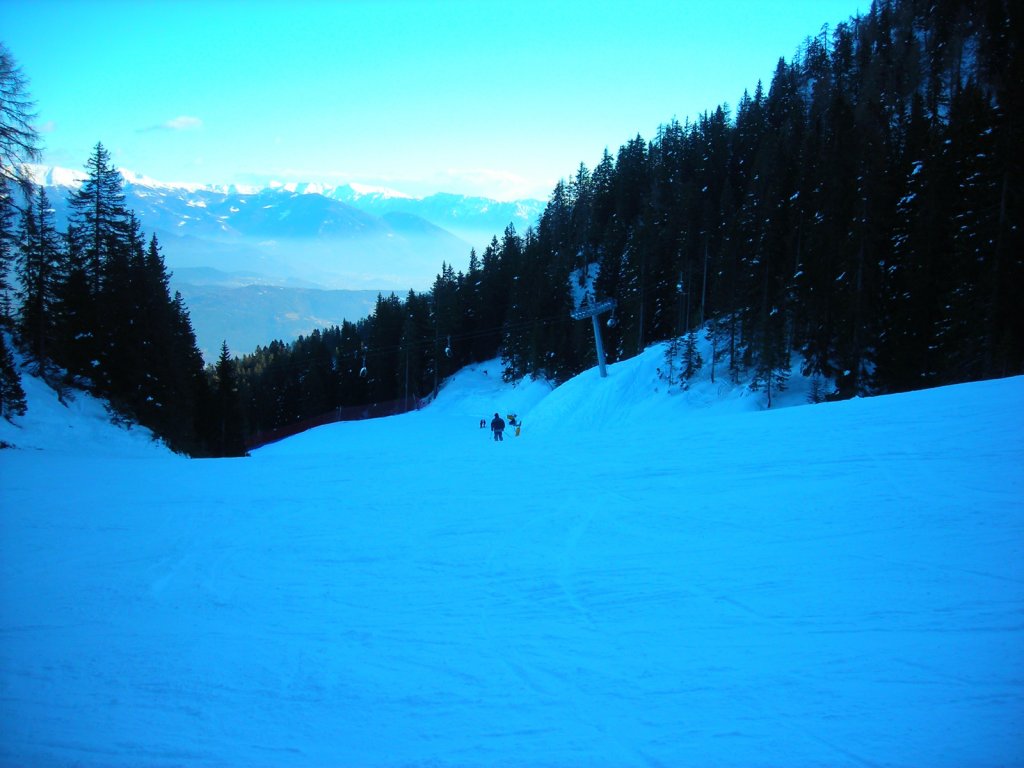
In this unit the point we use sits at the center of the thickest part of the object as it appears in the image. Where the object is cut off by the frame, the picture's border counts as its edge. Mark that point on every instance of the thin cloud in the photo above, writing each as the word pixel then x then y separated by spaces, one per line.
pixel 180 123
pixel 494 183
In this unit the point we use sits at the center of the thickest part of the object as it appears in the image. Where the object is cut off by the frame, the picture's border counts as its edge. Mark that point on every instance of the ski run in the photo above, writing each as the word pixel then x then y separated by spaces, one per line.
pixel 645 576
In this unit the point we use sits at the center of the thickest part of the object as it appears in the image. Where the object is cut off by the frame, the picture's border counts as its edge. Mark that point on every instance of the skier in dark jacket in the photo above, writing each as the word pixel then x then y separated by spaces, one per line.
pixel 497 427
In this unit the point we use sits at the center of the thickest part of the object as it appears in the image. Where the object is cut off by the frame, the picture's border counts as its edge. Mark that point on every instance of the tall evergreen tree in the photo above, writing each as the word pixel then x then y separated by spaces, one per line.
pixel 76 312
pixel 8 246
pixel 446 309
pixel 12 394
pixel 495 281
pixel 121 335
pixel 99 214
pixel 973 335
pixel 19 140
pixel 473 312
pixel 19 144
pixel 384 372
pixel 185 389
pixel 628 248
pixel 39 245
pixel 915 276
pixel 228 428
pixel 417 359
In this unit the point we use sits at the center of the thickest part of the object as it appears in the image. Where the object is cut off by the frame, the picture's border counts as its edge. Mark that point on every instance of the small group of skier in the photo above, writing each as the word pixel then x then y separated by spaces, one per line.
pixel 498 426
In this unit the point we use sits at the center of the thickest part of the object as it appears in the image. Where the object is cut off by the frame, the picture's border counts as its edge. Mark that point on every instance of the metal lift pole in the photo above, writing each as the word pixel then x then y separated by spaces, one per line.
pixel 592 312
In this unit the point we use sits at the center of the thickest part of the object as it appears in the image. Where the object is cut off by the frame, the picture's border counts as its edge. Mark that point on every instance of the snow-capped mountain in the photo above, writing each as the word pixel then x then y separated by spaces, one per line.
pixel 474 219
pixel 225 244
pixel 226 214
pixel 278 234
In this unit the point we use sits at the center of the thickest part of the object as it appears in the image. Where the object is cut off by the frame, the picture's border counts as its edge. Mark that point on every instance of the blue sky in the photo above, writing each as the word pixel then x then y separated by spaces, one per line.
pixel 500 99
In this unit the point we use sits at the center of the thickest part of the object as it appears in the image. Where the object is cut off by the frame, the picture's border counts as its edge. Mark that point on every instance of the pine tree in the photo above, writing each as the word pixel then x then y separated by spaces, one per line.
pixel 7 250
pixel 39 247
pixel 185 388
pixel 228 430
pixel 914 275
pixel 99 215
pixel 602 197
pixel 519 332
pixel 632 184
pixel 692 360
pixel 495 283
pixel 19 144
pixel 19 140
pixel 813 274
pixel 121 373
pixel 384 372
pixel 582 246
pixel 447 316
pixel 76 323
pixel 12 394
pixel 560 338
pixel 167 379
pixel 972 334
pixel 417 349
pixel 471 301
pixel 354 387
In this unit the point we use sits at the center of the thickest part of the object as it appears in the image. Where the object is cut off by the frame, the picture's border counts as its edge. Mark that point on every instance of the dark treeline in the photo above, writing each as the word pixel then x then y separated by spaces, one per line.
pixel 860 218
pixel 91 308
pixel 407 346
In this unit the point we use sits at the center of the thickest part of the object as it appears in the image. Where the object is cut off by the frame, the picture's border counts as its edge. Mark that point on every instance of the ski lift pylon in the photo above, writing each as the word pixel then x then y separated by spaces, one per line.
pixel 592 312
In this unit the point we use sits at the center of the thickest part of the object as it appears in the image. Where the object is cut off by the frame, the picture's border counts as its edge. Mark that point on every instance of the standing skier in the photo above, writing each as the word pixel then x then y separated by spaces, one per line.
pixel 497 427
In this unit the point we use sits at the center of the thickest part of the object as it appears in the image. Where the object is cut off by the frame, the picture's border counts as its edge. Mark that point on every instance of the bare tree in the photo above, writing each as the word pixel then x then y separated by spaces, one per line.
pixel 19 140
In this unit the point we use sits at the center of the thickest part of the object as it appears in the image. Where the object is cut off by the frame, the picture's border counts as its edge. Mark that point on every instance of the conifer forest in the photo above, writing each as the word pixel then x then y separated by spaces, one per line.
pixel 858 217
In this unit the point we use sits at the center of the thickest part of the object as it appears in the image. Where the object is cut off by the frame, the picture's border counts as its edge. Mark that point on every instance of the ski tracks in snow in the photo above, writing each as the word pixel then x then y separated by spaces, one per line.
pixel 540 629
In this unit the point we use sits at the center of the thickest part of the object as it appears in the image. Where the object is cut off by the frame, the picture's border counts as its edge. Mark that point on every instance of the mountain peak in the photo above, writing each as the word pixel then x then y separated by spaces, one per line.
pixel 365 190
pixel 350 192
pixel 215 212
pixel 54 176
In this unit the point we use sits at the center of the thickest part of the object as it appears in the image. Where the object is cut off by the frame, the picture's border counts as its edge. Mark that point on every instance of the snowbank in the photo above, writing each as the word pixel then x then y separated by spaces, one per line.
pixel 80 425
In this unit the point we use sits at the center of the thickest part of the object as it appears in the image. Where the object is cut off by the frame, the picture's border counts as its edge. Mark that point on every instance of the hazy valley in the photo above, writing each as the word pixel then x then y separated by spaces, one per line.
pixel 259 264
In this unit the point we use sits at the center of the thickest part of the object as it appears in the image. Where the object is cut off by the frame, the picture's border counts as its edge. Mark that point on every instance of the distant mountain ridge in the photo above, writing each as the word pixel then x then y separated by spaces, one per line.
pixel 211 210
pixel 475 219
pixel 228 245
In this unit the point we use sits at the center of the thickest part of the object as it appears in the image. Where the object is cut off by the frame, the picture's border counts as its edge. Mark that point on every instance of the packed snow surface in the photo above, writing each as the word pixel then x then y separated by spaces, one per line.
pixel 643 577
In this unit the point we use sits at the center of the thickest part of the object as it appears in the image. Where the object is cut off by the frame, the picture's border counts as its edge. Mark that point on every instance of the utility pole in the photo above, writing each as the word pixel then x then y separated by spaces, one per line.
pixel 592 312
pixel 407 379
pixel 704 285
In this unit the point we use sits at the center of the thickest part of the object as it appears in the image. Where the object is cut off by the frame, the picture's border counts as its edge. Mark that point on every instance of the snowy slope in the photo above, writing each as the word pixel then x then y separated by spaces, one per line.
pixel 642 578
pixel 74 426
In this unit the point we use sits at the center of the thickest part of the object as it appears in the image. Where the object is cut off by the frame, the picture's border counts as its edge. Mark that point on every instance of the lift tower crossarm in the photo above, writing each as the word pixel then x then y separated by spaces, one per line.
pixel 592 311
